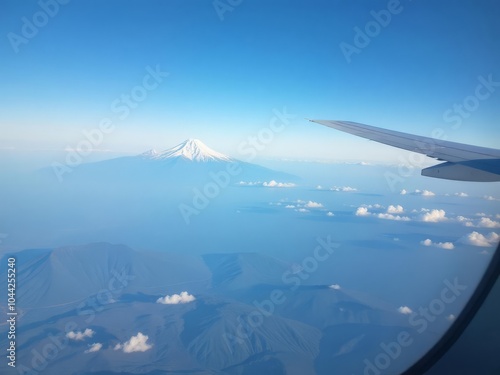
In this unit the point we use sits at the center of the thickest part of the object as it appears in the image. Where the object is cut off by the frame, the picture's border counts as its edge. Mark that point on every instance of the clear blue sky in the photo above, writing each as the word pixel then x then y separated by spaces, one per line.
pixel 227 76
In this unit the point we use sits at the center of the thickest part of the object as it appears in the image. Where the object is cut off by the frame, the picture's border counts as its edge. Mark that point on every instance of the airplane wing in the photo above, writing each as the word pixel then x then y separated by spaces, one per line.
pixel 462 162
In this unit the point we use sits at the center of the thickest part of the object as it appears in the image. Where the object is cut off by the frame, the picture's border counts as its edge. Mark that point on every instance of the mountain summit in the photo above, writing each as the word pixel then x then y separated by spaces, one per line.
pixel 191 149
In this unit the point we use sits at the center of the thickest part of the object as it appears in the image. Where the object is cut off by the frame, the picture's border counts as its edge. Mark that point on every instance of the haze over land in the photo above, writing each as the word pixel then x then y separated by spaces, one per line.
pixel 235 267
pixel 170 210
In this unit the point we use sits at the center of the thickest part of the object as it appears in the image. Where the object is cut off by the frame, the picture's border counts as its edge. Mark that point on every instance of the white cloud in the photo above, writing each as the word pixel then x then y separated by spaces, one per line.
pixel 477 239
pixel 319 187
pixel 481 214
pixel 345 189
pixel 488 223
pixel 463 219
pixel 78 336
pixel 244 183
pixel 176 299
pixel 395 209
pixel 362 211
pixel 405 310
pixel 289 206
pixel 490 198
pixel 302 210
pixel 462 195
pixel 441 245
pixel 274 183
pixel 451 317
pixel 434 216
pixel 138 343
pixel 393 217
pixel 95 347
pixel 331 214
pixel 424 193
pixel 271 183
pixel 312 204
pixel 445 245
pixel 427 242
pixel 335 286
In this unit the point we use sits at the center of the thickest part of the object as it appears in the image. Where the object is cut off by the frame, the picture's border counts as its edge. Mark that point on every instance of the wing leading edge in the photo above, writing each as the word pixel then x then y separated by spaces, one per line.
pixel 462 162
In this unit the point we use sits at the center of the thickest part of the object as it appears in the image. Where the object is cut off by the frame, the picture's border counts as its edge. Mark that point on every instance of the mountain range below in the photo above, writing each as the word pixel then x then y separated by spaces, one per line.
pixel 229 327
pixel 112 273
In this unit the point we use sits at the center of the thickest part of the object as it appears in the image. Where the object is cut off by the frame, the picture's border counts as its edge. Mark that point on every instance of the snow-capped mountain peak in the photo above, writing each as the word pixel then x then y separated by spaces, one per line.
pixel 191 149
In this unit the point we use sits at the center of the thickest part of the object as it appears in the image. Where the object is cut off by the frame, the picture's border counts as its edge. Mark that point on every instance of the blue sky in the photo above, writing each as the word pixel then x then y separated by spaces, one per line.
pixel 227 76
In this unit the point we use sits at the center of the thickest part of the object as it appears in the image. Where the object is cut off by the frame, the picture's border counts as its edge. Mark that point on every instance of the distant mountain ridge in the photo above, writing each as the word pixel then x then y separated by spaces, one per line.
pixel 190 162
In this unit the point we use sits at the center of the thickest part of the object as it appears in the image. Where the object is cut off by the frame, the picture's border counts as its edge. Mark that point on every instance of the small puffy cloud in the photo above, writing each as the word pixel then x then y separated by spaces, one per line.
pixel 463 219
pixel 393 217
pixel 302 210
pixel 395 209
pixel 441 245
pixel 271 183
pixel 79 336
pixel 274 183
pixel 245 183
pixel 461 195
pixel 312 204
pixel 176 299
pixel 477 239
pixel 405 310
pixel 490 198
pixel 335 287
pixel 434 216
pixel 319 187
pixel 445 245
pixel 95 347
pixel 427 242
pixel 289 206
pixel 137 343
pixel 423 193
pixel 362 211
pixel 481 214
pixel 330 214
pixel 486 222
pixel 345 189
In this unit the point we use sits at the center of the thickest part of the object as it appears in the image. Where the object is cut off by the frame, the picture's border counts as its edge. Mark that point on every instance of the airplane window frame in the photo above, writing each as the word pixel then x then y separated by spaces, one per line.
pixel 483 289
